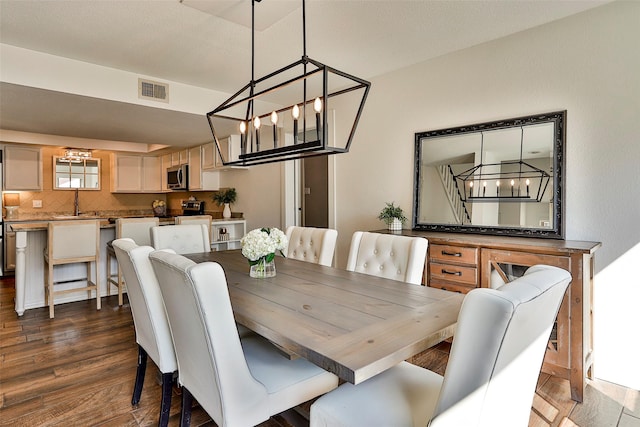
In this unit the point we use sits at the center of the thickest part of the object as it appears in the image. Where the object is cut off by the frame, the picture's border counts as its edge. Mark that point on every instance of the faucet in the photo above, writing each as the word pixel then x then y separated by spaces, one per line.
pixel 76 206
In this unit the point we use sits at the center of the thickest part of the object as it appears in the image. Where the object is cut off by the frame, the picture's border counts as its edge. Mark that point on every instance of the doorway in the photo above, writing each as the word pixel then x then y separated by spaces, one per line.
pixel 315 192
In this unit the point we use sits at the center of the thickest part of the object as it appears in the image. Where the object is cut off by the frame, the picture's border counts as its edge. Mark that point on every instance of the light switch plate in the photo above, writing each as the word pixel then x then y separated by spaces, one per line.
pixel 37 203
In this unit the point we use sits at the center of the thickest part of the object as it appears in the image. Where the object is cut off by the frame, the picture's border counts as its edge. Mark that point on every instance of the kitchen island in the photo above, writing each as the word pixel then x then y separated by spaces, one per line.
pixel 31 240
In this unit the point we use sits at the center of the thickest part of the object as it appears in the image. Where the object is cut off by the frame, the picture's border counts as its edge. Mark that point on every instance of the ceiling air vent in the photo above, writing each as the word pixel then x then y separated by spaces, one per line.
pixel 153 91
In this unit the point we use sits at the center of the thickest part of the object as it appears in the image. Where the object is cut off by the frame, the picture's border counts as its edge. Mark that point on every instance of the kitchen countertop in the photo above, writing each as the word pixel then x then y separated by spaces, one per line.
pixel 41 222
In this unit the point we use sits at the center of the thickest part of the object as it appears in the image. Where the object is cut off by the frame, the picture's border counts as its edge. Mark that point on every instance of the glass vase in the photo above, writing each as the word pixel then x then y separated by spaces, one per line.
pixel 263 269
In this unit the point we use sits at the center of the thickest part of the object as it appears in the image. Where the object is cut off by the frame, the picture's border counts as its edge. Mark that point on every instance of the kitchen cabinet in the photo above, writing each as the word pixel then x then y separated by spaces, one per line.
pixel 180 157
pixel 165 164
pixel 22 168
pixel 230 147
pixel 226 234
pixel 135 174
pixel 9 249
pixel 209 155
pixel 199 178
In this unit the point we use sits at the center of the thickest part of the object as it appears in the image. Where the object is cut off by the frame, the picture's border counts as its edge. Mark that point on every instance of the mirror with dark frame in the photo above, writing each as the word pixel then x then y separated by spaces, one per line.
pixel 502 178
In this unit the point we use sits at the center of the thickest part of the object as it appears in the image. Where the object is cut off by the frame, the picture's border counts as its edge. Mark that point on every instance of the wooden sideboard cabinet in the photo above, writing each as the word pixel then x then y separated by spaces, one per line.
pixel 460 262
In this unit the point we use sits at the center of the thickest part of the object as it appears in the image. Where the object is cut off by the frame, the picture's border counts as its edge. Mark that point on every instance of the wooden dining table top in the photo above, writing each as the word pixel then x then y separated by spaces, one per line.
pixel 352 324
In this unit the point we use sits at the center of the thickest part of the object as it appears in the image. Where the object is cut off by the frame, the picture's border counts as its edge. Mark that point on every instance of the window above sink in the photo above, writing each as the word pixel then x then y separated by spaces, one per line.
pixel 82 173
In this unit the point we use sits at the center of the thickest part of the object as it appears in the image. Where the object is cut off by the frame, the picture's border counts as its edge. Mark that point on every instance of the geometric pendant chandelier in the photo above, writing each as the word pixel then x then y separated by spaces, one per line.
pixel 301 110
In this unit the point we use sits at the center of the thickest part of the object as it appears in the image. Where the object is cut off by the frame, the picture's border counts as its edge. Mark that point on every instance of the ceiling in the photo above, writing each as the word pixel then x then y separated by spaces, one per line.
pixel 207 44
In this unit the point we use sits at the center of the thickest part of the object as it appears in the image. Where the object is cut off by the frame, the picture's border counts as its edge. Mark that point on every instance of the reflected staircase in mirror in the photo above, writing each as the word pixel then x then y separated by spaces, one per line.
pixel 458 206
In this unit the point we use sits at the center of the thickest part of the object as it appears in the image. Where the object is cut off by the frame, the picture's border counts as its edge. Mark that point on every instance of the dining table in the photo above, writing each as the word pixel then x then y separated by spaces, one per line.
pixel 352 324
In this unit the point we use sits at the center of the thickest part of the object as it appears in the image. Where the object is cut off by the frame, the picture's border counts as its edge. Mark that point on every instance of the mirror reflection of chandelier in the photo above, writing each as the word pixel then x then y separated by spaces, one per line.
pixel 301 110
pixel 506 181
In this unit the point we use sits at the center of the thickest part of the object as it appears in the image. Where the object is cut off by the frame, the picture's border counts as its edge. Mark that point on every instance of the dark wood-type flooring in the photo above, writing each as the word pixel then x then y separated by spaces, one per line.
pixel 78 370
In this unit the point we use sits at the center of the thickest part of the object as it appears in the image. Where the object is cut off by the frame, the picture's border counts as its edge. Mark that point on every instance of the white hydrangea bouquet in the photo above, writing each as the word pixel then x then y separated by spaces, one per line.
pixel 259 246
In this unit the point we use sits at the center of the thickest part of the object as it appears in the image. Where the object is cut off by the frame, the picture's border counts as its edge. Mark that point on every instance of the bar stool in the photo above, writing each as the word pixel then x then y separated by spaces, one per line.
pixel 136 229
pixel 71 242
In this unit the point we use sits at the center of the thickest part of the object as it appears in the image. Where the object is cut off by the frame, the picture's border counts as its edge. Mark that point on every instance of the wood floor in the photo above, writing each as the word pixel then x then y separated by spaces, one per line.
pixel 78 370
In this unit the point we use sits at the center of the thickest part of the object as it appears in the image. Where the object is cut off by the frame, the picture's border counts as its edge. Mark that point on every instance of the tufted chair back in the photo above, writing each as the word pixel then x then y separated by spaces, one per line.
pixel 491 375
pixel 183 239
pixel 236 384
pixel 149 319
pixel 395 257
pixel 147 308
pixel 310 244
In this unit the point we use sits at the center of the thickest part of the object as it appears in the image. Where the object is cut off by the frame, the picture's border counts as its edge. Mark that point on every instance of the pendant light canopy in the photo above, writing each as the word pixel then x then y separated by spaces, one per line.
pixel 301 110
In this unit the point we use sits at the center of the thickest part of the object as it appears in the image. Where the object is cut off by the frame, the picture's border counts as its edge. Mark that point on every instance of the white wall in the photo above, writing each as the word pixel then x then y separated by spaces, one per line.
pixel 588 64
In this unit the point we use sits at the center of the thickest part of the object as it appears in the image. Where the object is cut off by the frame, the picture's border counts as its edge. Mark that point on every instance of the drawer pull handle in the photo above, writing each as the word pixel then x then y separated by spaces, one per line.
pixel 458 254
pixel 453 273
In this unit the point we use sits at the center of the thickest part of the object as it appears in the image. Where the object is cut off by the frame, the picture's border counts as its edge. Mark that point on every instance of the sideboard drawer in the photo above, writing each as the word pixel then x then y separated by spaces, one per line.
pixel 453 254
pixel 453 287
pixel 453 273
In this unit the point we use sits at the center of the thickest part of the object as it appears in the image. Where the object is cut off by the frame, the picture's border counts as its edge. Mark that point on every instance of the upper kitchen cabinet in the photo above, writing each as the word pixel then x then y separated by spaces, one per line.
pixel 136 174
pixel 230 147
pixel 180 157
pixel 199 178
pixel 22 168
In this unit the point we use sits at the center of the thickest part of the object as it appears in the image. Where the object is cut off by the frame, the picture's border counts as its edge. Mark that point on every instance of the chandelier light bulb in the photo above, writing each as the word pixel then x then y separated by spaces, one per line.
pixel 295 112
pixel 317 105
pixel 243 127
pixel 274 118
pixel 256 122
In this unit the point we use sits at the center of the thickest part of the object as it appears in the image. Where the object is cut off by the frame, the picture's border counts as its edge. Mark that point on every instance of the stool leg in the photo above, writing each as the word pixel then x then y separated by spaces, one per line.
pixel 50 286
pixel 108 272
pixel 97 283
pixel 120 285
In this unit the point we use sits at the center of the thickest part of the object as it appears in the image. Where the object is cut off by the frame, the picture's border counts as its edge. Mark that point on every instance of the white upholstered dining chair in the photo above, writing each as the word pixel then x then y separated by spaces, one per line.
pixel 491 374
pixel 391 256
pixel 149 319
pixel 136 229
pixel 235 383
pixel 310 244
pixel 183 239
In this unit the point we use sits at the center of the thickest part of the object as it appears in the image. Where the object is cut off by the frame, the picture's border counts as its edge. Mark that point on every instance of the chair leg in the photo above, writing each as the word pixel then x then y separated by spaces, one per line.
pixel 187 401
pixel 142 368
pixel 165 404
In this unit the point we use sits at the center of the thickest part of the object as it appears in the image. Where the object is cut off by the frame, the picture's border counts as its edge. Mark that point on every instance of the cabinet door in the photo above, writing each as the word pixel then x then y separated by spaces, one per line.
pixel 209 154
pixel 151 176
pixel 195 169
pixel 127 173
pixel 22 168
pixel 9 251
pixel 166 163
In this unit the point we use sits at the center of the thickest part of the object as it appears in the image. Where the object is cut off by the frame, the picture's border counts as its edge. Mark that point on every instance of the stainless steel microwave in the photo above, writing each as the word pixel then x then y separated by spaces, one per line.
pixel 178 177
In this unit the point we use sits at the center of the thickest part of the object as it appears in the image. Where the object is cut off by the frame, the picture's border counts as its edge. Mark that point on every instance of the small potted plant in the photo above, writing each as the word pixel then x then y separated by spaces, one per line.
pixel 224 198
pixel 393 216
